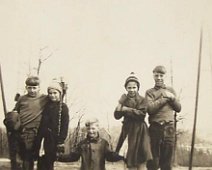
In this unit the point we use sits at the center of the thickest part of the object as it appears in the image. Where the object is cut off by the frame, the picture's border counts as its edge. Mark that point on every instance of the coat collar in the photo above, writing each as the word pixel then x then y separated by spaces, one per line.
pixel 160 87
pixel 93 140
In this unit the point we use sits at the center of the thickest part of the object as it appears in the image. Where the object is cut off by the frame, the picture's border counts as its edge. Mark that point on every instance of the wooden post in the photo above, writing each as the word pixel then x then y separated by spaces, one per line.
pixel 196 104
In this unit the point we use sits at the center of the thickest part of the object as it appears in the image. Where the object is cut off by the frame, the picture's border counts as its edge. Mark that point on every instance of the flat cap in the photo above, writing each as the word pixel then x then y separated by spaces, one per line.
pixel 32 81
pixel 91 121
pixel 159 69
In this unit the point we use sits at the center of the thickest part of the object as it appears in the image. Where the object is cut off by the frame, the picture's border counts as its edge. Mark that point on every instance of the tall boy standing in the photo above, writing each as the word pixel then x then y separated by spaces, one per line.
pixel 162 103
pixel 29 107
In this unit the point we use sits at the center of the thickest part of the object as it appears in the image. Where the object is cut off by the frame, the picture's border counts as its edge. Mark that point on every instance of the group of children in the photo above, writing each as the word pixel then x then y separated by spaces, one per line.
pixel 45 119
pixel 39 119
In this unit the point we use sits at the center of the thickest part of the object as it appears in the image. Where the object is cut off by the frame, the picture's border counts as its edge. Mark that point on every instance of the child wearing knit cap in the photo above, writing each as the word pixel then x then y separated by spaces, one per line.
pixel 93 150
pixel 132 107
pixel 54 127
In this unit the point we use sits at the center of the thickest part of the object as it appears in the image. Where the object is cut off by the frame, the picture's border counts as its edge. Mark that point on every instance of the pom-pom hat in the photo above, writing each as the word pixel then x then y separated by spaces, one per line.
pixel 132 77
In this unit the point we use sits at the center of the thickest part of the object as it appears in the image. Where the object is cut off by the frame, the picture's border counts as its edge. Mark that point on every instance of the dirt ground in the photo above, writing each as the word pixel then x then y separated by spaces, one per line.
pixel 5 165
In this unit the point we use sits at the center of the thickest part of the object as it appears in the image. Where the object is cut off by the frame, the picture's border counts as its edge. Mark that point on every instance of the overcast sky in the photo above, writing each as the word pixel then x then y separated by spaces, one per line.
pixel 95 45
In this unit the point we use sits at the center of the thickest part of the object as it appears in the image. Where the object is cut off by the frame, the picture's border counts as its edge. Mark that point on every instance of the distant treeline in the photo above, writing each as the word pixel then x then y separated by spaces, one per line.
pixel 201 158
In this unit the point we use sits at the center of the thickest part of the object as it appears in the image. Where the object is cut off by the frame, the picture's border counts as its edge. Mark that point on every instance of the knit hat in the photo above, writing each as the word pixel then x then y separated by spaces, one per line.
pixel 132 77
pixel 12 121
pixel 55 85
pixel 32 81
pixel 159 69
pixel 91 121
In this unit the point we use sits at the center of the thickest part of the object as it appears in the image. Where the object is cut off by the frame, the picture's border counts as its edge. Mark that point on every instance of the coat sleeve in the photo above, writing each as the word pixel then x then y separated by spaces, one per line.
pixel 139 112
pixel 64 123
pixel 141 108
pixel 130 112
pixel 153 105
pixel 118 113
pixel 122 99
pixel 135 113
pixel 17 105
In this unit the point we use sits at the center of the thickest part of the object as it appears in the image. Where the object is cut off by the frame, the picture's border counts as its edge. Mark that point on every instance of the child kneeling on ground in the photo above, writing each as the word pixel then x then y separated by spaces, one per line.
pixel 93 150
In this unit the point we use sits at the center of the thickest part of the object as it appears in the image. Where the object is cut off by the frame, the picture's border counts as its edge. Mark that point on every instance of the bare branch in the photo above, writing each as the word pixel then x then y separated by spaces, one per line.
pixel 40 60
pixel 47 57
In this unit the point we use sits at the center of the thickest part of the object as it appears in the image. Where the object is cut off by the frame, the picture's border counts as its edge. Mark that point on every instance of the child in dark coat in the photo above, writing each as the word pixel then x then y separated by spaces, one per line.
pixel 133 108
pixel 93 150
pixel 54 127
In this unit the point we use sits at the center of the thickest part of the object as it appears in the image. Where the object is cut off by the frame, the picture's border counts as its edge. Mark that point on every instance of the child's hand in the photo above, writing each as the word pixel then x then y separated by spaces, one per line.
pixel 60 148
pixel 169 95
pixel 114 157
pixel 59 156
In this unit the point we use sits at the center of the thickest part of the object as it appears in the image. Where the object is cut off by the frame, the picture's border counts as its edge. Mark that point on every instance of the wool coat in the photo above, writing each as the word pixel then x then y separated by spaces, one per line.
pixel 93 153
pixel 135 128
pixel 49 129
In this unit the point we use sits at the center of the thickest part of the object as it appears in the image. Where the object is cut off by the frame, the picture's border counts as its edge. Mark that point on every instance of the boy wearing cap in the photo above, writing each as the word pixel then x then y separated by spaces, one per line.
pixel 93 150
pixel 29 107
pixel 53 128
pixel 162 103
pixel 132 107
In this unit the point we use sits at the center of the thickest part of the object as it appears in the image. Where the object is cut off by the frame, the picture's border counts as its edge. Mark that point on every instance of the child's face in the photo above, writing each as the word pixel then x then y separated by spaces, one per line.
pixel 33 91
pixel 54 95
pixel 132 88
pixel 159 79
pixel 93 130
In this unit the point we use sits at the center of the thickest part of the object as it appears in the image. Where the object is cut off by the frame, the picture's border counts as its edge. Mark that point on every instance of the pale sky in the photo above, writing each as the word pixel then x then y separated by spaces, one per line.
pixel 96 44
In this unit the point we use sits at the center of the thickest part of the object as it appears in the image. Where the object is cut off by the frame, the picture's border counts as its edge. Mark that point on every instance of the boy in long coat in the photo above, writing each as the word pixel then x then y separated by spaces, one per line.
pixel 93 150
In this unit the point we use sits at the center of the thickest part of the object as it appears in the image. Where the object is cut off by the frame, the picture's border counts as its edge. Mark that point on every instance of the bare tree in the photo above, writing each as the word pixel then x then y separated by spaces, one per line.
pixel 42 58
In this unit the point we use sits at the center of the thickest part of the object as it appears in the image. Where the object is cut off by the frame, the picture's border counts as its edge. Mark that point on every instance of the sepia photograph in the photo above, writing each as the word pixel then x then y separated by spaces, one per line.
pixel 105 85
